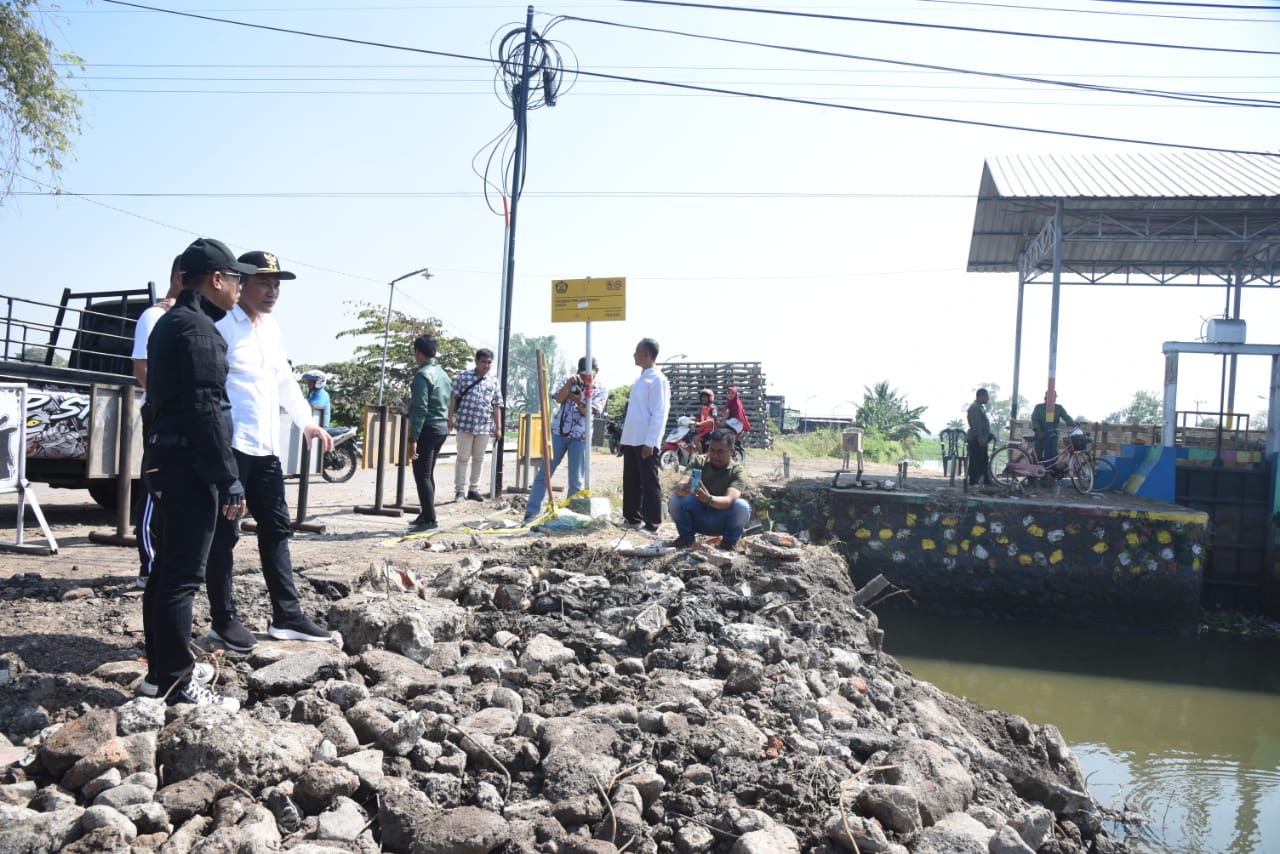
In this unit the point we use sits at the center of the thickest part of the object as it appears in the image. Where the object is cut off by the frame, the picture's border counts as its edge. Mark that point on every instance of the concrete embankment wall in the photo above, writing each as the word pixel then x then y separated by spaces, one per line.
pixel 1014 558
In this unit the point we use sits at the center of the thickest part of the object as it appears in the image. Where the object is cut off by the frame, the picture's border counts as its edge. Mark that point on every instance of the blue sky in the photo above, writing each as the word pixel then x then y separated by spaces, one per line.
pixel 828 244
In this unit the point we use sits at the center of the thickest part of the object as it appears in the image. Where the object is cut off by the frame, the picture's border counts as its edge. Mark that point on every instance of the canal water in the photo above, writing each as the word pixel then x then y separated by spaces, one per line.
pixel 1184 730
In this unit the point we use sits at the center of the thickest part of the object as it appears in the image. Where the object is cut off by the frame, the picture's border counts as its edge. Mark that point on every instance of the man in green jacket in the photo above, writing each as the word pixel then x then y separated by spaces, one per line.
pixel 429 422
pixel 1047 433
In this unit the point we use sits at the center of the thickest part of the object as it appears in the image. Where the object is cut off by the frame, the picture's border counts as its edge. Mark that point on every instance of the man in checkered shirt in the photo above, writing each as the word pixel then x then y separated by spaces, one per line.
pixel 475 413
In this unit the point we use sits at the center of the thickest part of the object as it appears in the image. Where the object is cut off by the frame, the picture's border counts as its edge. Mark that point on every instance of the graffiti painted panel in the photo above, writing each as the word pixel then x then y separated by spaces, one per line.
pixel 57 424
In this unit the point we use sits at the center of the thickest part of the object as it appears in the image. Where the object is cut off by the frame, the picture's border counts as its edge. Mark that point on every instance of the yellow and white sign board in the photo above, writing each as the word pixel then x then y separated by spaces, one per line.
pixel 576 300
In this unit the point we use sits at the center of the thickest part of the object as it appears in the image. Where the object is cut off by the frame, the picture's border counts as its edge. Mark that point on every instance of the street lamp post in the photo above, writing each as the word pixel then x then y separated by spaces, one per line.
pixel 386 331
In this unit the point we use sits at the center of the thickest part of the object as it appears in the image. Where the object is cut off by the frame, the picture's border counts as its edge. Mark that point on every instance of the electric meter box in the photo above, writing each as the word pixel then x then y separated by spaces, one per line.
pixel 1225 331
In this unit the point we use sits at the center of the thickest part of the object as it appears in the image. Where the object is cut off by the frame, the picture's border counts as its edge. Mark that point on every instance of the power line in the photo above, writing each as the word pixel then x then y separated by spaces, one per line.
pixel 1194 5
pixel 545 194
pixel 830 84
pixel 1060 9
pixel 293 32
pixel 1044 81
pixel 952 27
pixel 927 117
pixel 716 90
pixel 778 68
pixel 831 100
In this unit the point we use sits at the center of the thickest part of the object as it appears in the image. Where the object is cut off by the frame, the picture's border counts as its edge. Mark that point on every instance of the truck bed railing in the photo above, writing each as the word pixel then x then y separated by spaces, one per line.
pixel 97 337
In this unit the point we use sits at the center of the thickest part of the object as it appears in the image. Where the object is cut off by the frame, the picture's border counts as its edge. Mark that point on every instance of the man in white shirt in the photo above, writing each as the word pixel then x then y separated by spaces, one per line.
pixel 146 531
pixel 647 410
pixel 259 384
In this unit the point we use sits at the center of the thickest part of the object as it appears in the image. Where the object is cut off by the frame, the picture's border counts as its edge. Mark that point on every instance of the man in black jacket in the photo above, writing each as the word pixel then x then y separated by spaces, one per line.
pixel 189 467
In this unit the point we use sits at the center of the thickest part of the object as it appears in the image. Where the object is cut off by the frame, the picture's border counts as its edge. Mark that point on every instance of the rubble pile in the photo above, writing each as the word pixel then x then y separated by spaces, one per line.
pixel 551 699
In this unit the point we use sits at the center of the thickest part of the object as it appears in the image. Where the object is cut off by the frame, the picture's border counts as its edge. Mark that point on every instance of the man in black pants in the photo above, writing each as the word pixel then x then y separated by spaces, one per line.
pixel 978 439
pixel 647 410
pixel 428 424
pixel 259 384
pixel 143 510
pixel 188 465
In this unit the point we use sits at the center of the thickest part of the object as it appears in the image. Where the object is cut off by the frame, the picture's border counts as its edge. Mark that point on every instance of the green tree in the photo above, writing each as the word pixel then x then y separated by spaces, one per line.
pixel 39 114
pixel 1145 408
pixel 522 370
pixel 616 405
pixel 887 412
pixel 36 353
pixel 354 383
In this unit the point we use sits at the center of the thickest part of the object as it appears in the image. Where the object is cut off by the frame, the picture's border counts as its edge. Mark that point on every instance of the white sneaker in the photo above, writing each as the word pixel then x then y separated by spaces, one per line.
pixel 301 629
pixel 140 582
pixel 200 695
pixel 201 674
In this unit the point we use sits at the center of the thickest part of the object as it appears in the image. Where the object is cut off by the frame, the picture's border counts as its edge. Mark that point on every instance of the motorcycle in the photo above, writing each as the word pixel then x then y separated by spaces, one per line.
pixel 680 445
pixel 613 430
pixel 339 465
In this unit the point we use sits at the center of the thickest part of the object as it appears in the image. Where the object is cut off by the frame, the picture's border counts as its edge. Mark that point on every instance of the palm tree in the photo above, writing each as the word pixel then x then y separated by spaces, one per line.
pixel 886 411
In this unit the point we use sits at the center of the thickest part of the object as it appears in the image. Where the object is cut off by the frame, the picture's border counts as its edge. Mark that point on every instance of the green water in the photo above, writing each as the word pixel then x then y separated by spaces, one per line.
pixel 1186 730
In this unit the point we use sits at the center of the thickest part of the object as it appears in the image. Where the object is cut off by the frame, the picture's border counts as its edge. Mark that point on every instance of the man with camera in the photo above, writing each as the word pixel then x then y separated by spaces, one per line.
pixel 569 433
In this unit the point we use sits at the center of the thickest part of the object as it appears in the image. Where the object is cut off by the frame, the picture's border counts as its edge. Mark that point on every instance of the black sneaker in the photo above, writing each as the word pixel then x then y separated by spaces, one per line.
pixel 234 637
pixel 459 496
pixel 474 496
pixel 200 695
pixel 300 629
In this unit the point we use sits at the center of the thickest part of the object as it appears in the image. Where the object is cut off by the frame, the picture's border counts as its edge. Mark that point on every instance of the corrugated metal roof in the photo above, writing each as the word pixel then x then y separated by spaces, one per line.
pixel 1207 212
pixel 1181 175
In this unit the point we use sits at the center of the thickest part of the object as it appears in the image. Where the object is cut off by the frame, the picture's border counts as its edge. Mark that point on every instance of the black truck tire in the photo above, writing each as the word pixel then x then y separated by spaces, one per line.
pixel 104 491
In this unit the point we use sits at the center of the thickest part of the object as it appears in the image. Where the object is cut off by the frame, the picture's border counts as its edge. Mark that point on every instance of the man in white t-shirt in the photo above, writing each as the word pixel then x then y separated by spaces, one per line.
pixel 143 510
pixel 259 384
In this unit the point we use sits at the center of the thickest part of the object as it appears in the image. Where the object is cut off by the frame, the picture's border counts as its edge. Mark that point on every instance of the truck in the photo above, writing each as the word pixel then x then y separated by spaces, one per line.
pixel 75 359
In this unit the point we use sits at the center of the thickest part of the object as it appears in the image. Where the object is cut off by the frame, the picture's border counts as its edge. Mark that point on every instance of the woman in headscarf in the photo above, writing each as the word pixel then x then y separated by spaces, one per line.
pixel 735 416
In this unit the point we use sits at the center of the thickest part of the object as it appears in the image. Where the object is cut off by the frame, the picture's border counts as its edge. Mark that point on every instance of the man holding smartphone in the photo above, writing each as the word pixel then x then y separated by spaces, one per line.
pixel 709 499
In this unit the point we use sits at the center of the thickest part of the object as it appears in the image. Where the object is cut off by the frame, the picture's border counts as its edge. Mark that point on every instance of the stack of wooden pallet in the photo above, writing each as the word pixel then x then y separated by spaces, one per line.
pixel 688 378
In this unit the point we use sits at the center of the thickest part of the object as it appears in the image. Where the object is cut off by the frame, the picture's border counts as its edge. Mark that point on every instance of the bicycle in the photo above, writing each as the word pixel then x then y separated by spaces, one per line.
pixel 1013 464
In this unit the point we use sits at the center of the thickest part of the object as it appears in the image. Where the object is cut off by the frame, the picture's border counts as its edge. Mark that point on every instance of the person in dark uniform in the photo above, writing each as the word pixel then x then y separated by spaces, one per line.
pixel 188 465
pixel 978 439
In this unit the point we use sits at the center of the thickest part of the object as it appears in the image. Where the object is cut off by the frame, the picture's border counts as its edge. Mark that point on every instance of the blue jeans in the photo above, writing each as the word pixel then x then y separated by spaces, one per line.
pixel 560 445
pixel 691 517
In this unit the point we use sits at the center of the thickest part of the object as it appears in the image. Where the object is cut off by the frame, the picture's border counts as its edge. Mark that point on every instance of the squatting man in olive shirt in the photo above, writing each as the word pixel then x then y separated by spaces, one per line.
pixel 715 505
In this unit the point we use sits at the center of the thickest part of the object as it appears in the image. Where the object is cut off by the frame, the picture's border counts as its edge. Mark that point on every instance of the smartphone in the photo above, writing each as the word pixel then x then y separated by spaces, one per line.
pixel 695 480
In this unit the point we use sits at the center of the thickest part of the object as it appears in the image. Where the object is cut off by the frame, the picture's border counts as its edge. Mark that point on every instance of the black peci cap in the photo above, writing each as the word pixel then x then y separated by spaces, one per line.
pixel 207 255
pixel 266 264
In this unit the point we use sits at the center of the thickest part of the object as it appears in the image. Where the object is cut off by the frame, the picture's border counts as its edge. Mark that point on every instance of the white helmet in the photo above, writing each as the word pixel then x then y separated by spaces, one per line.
pixel 315 376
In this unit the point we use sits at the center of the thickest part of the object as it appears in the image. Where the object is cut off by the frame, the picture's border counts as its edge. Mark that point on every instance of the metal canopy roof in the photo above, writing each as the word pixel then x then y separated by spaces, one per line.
pixel 1140 218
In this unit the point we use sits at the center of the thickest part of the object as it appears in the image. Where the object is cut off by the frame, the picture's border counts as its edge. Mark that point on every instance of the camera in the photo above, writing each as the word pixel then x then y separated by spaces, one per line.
pixel 575 389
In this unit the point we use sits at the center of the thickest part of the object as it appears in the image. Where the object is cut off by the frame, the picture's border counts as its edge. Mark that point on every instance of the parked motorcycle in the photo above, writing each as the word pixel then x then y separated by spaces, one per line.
pixel 340 464
pixel 613 430
pixel 680 445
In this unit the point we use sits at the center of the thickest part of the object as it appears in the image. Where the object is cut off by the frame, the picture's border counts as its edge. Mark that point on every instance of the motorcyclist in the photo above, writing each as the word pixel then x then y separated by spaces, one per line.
pixel 317 396
pixel 706 418
pixel 735 415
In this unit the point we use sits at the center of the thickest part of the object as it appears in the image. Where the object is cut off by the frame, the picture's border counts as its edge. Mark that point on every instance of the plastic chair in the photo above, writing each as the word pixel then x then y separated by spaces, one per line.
pixel 955 453
pixel 851 443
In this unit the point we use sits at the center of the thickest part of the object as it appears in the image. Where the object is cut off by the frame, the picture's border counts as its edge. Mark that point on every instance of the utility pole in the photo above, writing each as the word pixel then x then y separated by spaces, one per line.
pixel 521 110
